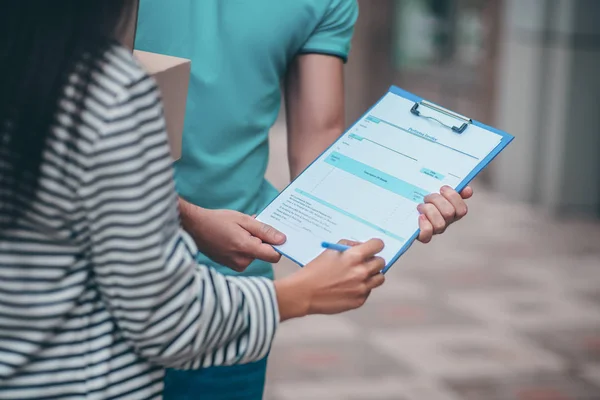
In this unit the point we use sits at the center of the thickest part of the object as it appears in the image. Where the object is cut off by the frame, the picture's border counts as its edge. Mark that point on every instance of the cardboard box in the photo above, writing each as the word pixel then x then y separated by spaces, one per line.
pixel 172 75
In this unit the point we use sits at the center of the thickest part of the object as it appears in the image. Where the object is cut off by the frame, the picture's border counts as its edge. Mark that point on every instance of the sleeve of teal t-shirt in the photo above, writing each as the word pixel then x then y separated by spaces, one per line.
pixel 334 32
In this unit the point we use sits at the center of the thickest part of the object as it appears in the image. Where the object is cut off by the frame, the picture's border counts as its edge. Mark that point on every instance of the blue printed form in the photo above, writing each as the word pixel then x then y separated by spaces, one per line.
pixel 369 183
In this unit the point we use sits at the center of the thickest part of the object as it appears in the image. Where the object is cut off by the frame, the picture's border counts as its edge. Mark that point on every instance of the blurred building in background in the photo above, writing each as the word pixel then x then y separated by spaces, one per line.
pixel 530 67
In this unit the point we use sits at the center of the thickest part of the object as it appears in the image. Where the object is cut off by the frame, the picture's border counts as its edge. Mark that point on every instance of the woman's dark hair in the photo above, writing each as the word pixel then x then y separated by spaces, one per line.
pixel 41 44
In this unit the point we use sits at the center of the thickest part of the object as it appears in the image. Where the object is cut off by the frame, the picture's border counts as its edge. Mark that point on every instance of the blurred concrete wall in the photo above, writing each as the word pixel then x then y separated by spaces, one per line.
pixel 549 97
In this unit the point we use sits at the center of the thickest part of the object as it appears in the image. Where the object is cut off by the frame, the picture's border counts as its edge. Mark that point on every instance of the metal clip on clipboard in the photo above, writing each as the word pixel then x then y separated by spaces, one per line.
pixel 466 121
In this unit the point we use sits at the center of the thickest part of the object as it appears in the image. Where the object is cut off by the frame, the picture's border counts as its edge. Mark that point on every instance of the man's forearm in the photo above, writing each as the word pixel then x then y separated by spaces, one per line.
pixel 301 155
pixel 314 101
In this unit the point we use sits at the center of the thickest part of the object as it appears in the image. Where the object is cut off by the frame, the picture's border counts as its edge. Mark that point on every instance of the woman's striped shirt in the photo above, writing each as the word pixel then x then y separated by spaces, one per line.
pixel 99 291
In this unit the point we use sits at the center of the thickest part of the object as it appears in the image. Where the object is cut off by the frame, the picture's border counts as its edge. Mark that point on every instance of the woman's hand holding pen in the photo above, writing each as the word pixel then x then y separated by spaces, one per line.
pixel 333 282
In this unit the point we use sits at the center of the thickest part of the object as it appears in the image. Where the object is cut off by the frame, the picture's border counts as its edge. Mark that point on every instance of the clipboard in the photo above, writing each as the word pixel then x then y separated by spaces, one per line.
pixel 420 108
pixel 466 122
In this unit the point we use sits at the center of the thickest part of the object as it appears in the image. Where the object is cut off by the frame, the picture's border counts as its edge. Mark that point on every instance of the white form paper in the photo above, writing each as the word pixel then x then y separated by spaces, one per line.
pixel 369 183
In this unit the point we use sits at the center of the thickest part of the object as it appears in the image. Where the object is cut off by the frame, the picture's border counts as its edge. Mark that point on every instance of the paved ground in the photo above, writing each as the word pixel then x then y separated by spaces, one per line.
pixel 504 306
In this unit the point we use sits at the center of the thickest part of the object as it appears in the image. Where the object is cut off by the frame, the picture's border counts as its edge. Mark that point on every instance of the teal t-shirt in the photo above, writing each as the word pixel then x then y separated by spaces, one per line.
pixel 240 50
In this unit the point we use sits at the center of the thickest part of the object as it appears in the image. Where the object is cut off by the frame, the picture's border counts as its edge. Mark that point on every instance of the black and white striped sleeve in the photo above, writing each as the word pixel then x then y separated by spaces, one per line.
pixel 175 313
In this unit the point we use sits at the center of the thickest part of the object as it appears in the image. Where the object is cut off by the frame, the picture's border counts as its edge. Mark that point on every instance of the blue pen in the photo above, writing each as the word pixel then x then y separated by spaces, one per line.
pixel 334 246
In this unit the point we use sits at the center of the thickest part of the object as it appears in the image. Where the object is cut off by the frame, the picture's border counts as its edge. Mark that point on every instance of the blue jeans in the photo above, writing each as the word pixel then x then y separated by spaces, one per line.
pixel 217 383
